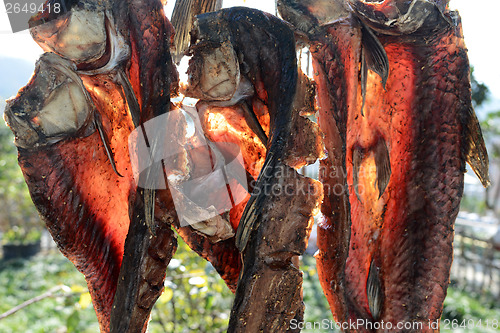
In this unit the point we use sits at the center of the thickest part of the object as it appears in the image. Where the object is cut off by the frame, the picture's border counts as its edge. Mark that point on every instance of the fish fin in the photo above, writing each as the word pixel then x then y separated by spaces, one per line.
pixel 128 91
pixel 374 53
pixel 475 149
pixel 182 19
pixel 105 141
pixel 249 218
pixel 149 194
pixel 374 291
pixel 357 157
pixel 152 175
pixel 383 163
pixel 149 207
pixel 253 122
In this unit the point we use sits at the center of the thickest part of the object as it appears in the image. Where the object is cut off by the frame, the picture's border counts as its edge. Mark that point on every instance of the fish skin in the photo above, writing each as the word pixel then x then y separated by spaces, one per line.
pixel 85 209
pixel 152 73
pixel 335 59
pixel 408 232
pixel 408 150
pixel 100 261
pixel 153 78
pixel 223 255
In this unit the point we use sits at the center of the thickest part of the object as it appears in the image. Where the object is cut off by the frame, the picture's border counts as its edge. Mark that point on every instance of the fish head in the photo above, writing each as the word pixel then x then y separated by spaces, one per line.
pixel 53 106
pixel 214 70
pixel 401 17
pixel 83 32
pixel 308 15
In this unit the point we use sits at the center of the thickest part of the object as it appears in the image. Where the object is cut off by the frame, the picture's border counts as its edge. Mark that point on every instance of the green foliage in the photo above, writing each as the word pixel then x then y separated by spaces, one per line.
pixel 21 236
pixel 490 124
pixel 463 308
pixel 475 204
pixel 195 298
pixel 480 92
pixel 22 280
pixel 17 208
pixel 8 153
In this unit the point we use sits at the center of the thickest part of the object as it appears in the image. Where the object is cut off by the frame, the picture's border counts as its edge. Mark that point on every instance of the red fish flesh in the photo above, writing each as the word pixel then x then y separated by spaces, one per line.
pixel 399 128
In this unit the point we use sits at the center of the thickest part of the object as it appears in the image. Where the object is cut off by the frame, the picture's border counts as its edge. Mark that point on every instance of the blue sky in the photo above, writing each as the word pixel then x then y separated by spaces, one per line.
pixel 479 19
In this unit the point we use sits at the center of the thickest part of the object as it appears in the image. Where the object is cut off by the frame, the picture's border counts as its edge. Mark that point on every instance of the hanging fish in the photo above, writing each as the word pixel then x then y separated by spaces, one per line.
pixel 72 124
pixel 244 70
pixel 395 106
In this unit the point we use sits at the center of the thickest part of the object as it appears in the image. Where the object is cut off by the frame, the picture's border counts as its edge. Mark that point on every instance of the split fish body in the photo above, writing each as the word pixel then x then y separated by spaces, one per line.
pixel 335 62
pixel 151 243
pixel 256 100
pixel 82 200
pixel 405 162
pixel 397 143
pixel 266 58
pixel 72 124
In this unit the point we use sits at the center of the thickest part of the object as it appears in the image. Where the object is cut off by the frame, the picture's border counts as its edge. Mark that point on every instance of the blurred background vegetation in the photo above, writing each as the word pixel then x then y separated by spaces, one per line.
pixel 19 219
pixel 195 298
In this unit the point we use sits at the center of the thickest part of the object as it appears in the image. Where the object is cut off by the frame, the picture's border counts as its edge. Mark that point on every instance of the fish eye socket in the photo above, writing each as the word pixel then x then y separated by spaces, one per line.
pixel 64 35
